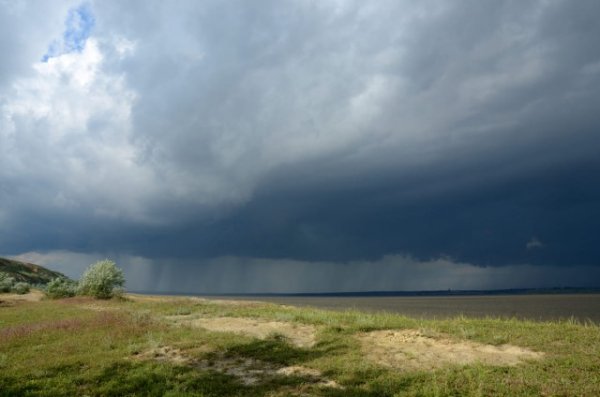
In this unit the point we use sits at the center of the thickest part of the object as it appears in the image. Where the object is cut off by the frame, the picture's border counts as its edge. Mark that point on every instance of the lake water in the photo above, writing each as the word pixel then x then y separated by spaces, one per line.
pixel 582 307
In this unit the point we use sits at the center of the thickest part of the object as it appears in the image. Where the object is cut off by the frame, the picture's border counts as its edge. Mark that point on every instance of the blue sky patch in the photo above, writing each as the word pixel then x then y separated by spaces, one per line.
pixel 78 26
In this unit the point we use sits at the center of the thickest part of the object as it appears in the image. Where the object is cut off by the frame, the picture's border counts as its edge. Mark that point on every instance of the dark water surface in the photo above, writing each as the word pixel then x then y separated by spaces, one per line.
pixel 583 307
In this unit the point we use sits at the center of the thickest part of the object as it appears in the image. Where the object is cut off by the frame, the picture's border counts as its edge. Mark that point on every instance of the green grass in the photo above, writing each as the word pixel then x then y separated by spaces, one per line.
pixel 63 348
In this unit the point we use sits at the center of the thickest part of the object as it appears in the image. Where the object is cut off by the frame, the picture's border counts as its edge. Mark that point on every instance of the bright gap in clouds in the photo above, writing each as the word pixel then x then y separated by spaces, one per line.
pixel 78 26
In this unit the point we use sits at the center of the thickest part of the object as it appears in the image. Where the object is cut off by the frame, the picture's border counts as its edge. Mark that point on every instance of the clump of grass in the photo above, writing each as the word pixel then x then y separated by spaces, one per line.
pixel 182 311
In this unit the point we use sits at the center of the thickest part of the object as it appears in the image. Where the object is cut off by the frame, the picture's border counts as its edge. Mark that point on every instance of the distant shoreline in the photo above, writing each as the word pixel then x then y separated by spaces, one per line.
pixel 356 294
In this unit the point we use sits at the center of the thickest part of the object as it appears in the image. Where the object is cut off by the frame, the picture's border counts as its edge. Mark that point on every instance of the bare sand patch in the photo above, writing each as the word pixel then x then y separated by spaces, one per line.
pixel 300 335
pixel 248 371
pixel 414 350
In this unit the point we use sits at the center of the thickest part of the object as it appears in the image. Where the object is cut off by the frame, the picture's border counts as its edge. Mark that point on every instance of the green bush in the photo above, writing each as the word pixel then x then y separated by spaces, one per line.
pixel 6 282
pixel 21 288
pixel 61 288
pixel 101 280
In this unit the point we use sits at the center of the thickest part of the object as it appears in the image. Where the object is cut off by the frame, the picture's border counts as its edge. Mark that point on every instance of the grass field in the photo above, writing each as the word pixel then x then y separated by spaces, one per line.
pixel 143 345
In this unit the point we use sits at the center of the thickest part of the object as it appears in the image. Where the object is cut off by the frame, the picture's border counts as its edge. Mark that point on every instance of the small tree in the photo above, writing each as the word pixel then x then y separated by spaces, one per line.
pixel 101 279
pixel 61 288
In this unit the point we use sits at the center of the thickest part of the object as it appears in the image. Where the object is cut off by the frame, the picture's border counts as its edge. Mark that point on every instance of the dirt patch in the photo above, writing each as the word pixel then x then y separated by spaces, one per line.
pixel 300 335
pixel 31 296
pixel 164 353
pixel 414 350
pixel 248 371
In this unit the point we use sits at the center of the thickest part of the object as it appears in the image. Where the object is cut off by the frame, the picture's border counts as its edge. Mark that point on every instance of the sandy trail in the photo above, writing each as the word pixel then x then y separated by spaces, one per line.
pixel 191 299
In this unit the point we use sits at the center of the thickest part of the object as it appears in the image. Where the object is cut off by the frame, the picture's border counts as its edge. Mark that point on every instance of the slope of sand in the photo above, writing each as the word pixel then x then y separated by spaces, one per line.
pixel 413 350
pixel 300 335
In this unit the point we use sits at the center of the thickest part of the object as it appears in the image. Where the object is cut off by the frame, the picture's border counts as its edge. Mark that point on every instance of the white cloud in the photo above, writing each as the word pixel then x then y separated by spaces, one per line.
pixel 25 28
pixel 534 243
pixel 66 135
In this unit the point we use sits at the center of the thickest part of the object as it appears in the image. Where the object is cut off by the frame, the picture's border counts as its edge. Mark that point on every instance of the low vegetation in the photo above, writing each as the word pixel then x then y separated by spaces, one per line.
pixel 166 346
pixel 61 288
pixel 10 284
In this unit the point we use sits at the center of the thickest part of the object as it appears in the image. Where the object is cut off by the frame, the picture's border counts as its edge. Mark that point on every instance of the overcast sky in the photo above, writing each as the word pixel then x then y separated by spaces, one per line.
pixel 287 146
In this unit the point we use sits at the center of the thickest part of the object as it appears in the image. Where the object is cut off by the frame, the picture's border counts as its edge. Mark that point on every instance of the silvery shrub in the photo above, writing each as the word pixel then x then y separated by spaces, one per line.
pixel 101 280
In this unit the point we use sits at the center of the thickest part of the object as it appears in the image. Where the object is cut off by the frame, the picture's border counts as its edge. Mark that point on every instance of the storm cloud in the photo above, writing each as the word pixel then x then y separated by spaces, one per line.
pixel 305 138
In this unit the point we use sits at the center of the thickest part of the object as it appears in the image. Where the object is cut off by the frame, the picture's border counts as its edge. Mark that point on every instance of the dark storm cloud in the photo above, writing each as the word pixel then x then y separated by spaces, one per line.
pixel 320 132
pixel 483 221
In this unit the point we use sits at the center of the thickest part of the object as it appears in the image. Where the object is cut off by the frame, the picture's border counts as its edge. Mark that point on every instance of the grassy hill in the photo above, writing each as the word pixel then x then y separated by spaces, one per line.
pixel 28 272
pixel 175 346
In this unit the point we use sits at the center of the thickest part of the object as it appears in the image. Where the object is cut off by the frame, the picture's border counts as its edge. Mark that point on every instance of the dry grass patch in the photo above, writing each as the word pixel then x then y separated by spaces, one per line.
pixel 153 298
pixel 193 299
pixel 300 335
pixel 32 296
pixel 65 325
pixel 415 350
